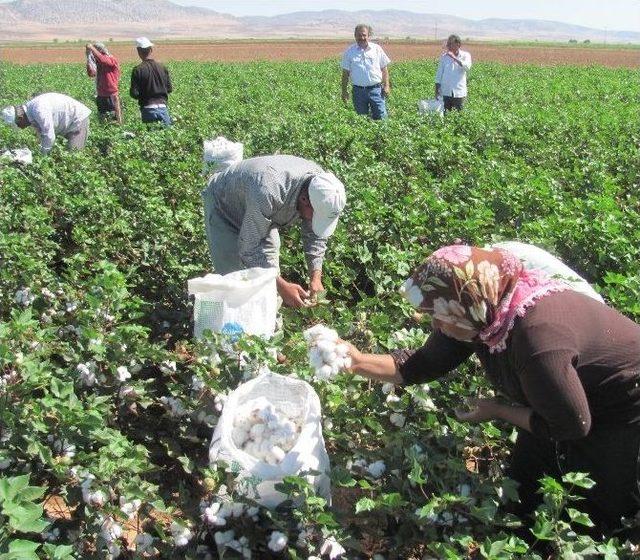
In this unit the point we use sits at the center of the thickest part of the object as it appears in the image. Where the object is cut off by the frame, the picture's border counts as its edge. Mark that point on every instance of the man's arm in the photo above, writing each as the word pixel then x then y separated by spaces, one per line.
pixel 107 61
pixel 134 90
pixel 41 119
pixel 386 87
pixel 439 73
pixel 314 250
pixel 169 84
pixel 345 85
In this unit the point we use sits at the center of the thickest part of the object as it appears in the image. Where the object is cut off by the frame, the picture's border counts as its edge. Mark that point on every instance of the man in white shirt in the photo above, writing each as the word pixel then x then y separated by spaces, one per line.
pixel 50 114
pixel 451 76
pixel 367 66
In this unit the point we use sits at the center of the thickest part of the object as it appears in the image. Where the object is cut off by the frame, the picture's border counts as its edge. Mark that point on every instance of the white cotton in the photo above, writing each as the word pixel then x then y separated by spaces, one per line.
pixel 388 388
pixel 412 293
pixel 277 541
pixel 332 548
pixel 397 419
pixel 168 367
pixel 327 357
pixel 143 542
pixel 181 535
pixel 122 373
pixel 377 469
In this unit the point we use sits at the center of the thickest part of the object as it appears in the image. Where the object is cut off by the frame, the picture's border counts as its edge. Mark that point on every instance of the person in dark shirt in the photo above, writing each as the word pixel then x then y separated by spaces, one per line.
pixel 151 85
pixel 568 365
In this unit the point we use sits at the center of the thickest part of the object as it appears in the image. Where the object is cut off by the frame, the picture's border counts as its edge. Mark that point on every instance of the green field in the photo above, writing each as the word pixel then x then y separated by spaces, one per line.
pixel 545 155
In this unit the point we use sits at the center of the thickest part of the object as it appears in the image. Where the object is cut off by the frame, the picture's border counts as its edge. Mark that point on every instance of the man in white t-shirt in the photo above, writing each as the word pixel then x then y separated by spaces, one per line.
pixel 367 66
pixel 451 76
pixel 52 114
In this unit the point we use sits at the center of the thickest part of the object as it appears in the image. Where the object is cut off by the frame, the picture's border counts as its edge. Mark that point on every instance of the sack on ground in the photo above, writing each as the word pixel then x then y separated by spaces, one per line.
pixel 219 153
pixel 18 155
pixel 242 301
pixel 535 257
pixel 426 106
pixel 307 455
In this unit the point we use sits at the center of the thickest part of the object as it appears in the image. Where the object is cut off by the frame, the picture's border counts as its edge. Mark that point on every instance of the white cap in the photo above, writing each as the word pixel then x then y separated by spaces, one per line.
pixel 327 197
pixel 9 115
pixel 143 43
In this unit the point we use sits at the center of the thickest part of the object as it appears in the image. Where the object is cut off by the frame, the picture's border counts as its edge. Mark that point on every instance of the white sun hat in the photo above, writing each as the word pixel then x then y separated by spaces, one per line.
pixel 328 199
pixel 143 43
pixel 9 115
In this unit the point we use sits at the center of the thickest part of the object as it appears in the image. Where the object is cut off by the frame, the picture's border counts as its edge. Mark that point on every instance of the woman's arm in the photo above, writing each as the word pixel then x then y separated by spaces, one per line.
pixel 482 410
pixel 379 367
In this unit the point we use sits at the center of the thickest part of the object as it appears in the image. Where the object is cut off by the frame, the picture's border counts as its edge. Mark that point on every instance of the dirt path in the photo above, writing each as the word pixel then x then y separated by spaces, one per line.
pixel 315 51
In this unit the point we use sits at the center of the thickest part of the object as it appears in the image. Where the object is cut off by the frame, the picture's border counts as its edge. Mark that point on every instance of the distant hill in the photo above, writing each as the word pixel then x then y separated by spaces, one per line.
pixel 118 19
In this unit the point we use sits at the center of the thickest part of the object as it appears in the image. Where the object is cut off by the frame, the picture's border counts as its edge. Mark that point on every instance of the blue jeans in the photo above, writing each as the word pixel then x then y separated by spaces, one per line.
pixel 155 114
pixel 369 101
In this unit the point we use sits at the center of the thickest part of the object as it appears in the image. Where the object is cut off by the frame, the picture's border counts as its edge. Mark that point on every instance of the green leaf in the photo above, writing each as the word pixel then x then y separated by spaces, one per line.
pixel 579 517
pixel 365 504
pixel 581 480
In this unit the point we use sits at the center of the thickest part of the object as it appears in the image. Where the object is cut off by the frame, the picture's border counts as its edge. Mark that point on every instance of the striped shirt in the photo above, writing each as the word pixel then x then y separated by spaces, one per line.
pixel 257 196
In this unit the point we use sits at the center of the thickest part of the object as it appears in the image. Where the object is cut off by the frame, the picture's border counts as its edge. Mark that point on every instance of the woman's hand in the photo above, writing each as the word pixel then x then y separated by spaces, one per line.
pixel 480 410
pixel 354 354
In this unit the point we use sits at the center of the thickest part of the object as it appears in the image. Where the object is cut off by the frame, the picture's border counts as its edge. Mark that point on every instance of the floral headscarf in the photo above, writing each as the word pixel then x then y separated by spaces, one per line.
pixel 480 291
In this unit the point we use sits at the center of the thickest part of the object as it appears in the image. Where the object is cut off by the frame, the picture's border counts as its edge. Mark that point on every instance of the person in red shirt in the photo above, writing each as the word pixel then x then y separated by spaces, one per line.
pixel 106 70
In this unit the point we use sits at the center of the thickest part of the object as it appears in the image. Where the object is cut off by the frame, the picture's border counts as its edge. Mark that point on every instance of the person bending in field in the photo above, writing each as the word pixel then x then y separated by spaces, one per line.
pixel 105 69
pixel 246 204
pixel 151 85
pixel 567 365
pixel 52 114
pixel 451 75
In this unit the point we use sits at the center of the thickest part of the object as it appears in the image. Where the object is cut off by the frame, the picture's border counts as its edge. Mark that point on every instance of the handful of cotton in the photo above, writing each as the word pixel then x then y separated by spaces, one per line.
pixel 265 432
pixel 327 355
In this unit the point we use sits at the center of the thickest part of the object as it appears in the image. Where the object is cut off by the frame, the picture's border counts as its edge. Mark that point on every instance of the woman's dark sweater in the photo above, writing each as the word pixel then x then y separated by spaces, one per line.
pixel 573 360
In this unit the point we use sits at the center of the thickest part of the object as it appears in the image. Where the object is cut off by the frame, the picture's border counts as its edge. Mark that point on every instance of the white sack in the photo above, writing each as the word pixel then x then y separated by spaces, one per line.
pixel 426 106
pixel 258 478
pixel 219 153
pixel 534 257
pixel 19 155
pixel 245 298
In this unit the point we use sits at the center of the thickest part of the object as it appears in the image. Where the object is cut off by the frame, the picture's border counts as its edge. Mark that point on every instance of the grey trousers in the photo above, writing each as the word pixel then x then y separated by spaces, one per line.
pixel 223 239
pixel 77 139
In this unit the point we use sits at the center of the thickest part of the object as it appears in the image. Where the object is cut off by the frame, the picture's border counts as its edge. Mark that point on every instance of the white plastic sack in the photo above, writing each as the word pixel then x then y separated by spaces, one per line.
pixel 245 299
pixel 19 155
pixel 426 106
pixel 219 153
pixel 534 257
pixel 257 478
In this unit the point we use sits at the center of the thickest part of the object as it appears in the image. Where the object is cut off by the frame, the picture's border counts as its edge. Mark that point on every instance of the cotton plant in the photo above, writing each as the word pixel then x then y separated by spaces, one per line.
pixel 327 356
pixel 264 431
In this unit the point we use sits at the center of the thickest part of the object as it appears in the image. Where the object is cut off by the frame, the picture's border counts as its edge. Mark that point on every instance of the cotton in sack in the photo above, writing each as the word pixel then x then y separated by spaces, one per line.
pixel 246 298
pixel 426 106
pixel 534 257
pixel 220 153
pixel 272 399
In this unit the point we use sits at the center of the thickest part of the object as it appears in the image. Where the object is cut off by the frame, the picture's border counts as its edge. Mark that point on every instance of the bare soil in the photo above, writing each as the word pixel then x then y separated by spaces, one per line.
pixel 313 50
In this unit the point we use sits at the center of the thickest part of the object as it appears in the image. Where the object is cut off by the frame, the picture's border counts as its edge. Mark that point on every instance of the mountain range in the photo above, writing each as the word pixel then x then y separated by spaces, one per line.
pixel 32 20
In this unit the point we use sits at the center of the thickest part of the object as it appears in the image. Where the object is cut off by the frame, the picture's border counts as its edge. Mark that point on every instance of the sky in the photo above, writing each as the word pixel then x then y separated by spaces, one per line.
pixel 618 15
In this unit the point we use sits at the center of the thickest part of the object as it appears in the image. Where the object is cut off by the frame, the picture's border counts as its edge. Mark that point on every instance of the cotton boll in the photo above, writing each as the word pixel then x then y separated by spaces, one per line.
pixel 397 419
pixel 325 372
pixel 342 350
pixel 377 469
pixel 278 453
pixel 277 541
pixel 257 431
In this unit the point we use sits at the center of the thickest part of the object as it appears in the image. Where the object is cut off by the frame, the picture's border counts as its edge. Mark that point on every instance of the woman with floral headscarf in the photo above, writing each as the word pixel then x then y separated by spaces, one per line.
pixel 569 364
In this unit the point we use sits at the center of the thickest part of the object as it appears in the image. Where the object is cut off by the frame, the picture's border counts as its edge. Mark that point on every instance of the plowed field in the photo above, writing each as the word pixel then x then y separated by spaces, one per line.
pixel 313 50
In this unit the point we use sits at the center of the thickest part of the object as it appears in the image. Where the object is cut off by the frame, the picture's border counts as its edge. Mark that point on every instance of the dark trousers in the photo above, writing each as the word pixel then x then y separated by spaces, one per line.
pixel 609 455
pixel 453 103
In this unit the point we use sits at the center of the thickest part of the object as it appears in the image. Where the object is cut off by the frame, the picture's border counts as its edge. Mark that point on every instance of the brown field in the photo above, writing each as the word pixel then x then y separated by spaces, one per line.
pixel 314 50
